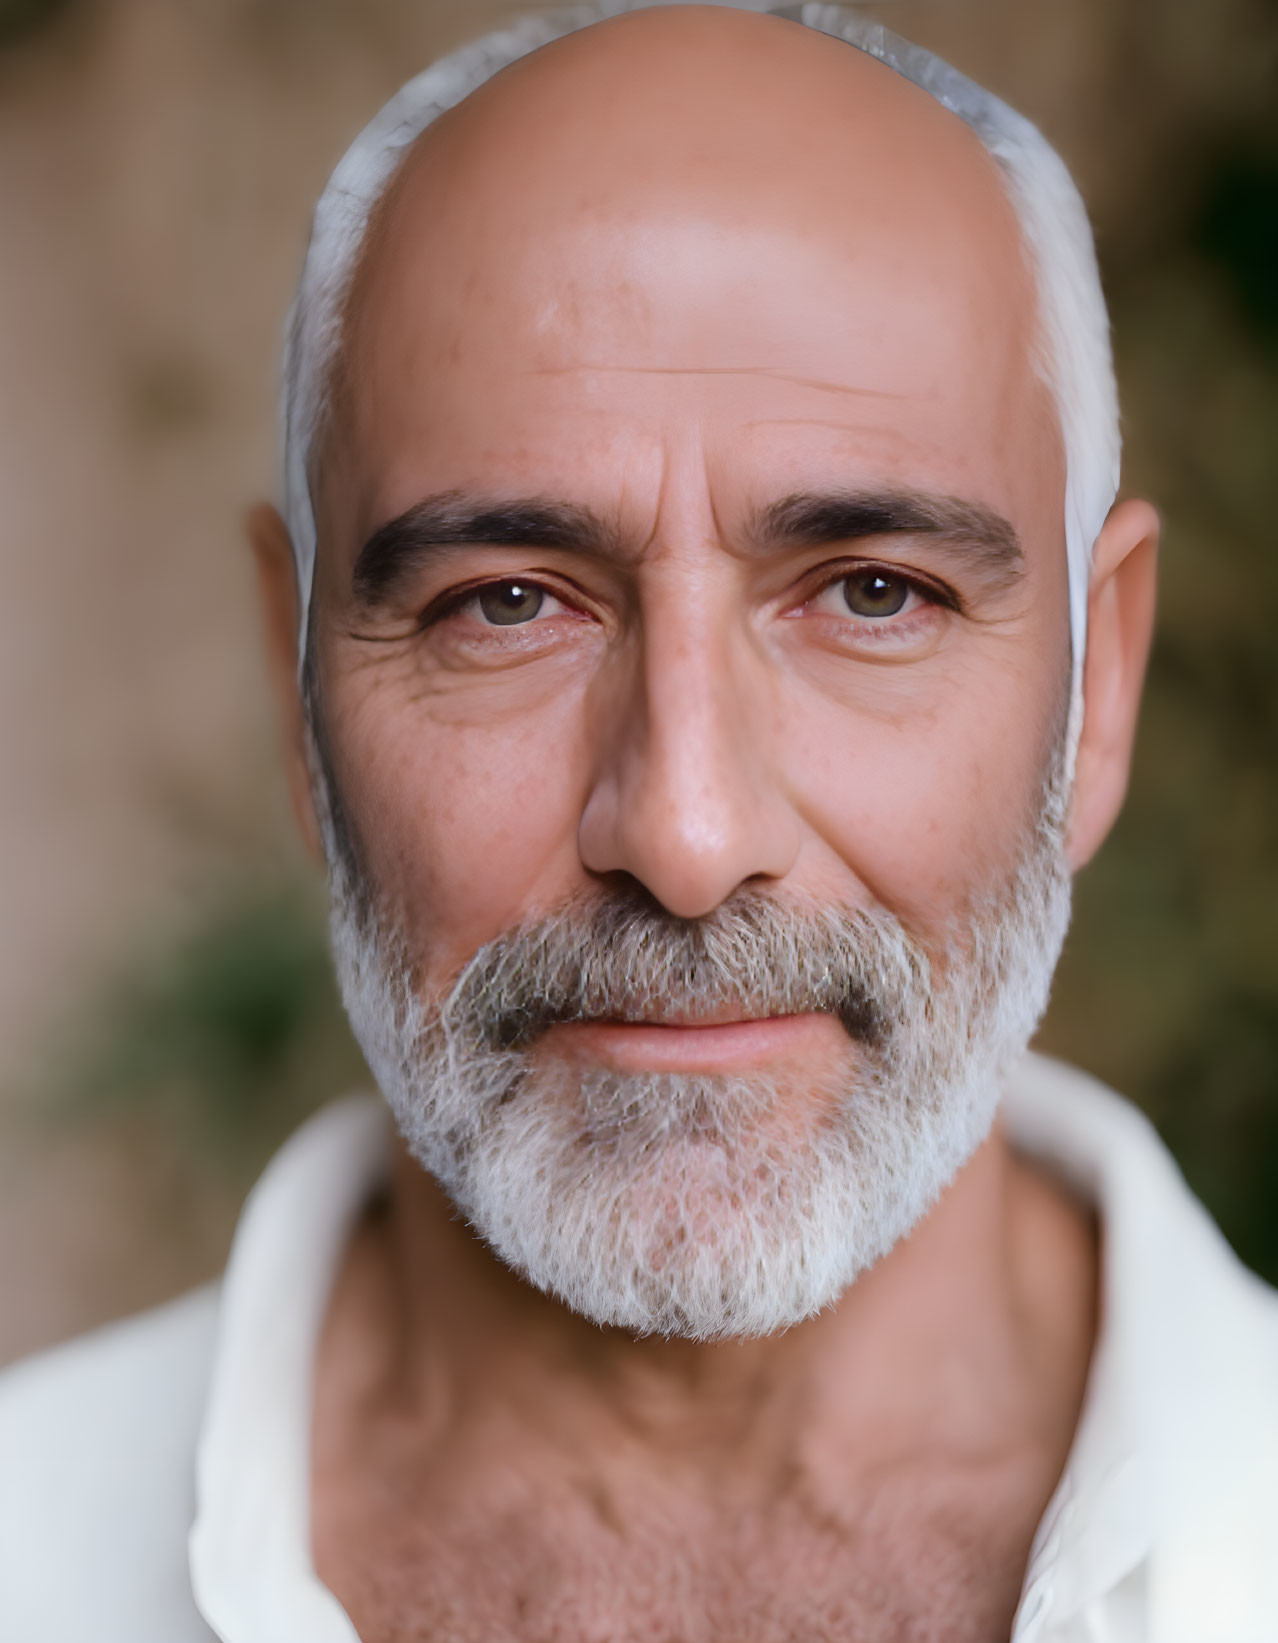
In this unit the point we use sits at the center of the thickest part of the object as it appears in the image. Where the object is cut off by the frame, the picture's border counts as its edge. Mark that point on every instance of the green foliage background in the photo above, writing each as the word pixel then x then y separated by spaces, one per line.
pixel 1169 988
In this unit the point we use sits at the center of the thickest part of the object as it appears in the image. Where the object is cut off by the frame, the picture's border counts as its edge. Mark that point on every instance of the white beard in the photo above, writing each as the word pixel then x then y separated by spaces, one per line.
pixel 684 1204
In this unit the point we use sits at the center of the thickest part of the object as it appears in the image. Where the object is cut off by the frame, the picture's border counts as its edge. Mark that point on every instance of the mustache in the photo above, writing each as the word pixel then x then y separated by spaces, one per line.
pixel 625 958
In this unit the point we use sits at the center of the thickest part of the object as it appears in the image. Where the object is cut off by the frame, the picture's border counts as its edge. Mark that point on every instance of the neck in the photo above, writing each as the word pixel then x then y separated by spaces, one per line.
pixel 972 1336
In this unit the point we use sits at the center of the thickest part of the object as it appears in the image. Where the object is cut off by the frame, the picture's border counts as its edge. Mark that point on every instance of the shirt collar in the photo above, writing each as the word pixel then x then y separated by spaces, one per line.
pixel 251 1568
pixel 1177 1393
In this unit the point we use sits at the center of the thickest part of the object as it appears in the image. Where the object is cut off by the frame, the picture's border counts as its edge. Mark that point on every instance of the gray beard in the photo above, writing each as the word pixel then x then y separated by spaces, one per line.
pixel 690 1205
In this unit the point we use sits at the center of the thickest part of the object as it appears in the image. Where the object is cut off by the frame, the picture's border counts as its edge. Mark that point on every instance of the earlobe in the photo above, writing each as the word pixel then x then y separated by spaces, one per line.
pixel 1120 625
pixel 277 587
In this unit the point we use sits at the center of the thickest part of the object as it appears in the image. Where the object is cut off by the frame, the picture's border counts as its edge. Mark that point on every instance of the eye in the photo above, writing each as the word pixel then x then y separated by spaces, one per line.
pixel 511 604
pixel 869 593
pixel 873 593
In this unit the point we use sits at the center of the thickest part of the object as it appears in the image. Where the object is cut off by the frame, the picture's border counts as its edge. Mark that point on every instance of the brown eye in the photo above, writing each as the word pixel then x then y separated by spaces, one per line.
pixel 506 604
pixel 871 593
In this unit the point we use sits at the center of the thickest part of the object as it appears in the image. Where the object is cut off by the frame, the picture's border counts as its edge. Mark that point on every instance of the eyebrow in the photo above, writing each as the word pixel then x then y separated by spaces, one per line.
pixel 978 533
pixel 453 519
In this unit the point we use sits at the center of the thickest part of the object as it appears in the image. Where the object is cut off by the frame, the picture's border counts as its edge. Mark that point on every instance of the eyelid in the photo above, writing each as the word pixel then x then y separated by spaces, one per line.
pixel 820 580
pixel 454 599
pixel 830 574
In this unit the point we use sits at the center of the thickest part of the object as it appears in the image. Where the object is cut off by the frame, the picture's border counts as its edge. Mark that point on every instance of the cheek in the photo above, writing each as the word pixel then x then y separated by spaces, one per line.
pixel 466 828
pixel 925 801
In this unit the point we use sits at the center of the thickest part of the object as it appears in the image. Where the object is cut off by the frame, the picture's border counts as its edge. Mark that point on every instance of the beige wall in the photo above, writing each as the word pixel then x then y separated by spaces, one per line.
pixel 157 162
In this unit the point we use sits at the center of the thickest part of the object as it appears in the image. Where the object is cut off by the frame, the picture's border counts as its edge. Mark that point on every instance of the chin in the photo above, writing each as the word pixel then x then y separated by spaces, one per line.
pixel 696 1207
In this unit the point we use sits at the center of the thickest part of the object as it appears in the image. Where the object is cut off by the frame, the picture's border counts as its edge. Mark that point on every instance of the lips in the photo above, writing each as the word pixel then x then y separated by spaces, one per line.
pixel 720 1044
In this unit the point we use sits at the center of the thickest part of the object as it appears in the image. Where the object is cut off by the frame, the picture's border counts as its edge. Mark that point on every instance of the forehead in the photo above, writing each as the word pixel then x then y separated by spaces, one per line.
pixel 688 221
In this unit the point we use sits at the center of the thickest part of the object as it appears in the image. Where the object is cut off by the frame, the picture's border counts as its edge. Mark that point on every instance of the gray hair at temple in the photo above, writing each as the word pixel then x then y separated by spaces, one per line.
pixel 1074 353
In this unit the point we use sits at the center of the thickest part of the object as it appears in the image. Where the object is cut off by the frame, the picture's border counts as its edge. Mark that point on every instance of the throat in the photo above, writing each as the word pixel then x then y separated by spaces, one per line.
pixel 492 1465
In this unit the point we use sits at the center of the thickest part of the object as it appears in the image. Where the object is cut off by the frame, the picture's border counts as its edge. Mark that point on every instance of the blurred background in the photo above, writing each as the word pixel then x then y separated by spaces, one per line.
pixel 166 1011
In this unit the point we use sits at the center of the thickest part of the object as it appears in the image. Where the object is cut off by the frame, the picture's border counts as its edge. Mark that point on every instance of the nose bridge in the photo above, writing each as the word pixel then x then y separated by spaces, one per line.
pixel 684 799
pixel 694 762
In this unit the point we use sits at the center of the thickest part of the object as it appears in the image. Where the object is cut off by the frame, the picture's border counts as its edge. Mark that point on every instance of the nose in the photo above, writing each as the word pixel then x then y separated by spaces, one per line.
pixel 685 797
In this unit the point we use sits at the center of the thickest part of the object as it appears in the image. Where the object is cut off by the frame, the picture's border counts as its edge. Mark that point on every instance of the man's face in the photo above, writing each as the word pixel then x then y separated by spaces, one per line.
pixel 691 525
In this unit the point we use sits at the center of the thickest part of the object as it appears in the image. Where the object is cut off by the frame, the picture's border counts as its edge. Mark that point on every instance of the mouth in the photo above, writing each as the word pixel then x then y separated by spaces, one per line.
pixel 700 1046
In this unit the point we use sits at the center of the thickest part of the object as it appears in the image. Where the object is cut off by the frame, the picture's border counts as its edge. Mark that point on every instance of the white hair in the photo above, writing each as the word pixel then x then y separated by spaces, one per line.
pixel 1074 349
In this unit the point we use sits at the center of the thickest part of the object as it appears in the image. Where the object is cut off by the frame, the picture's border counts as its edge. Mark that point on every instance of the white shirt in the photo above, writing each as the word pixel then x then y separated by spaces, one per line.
pixel 193 1422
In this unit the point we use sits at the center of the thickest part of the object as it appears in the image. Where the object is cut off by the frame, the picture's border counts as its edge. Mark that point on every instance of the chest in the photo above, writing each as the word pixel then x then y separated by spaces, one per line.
pixel 576 1577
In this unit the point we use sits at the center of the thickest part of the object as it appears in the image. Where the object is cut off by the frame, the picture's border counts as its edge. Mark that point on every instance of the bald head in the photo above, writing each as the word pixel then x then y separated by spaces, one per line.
pixel 745 122
pixel 732 109
pixel 611 162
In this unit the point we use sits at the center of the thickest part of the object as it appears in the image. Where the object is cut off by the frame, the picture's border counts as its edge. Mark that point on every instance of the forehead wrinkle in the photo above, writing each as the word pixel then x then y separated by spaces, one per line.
pixel 772 372
pixel 838 426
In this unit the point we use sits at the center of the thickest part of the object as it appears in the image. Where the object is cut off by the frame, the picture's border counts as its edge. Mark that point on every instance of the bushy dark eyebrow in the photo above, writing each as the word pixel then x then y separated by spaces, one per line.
pixel 820 519
pixel 400 548
pixel 397 550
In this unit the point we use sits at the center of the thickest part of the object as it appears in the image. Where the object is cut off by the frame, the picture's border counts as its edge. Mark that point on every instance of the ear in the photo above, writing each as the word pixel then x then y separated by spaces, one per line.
pixel 1120 626
pixel 277 586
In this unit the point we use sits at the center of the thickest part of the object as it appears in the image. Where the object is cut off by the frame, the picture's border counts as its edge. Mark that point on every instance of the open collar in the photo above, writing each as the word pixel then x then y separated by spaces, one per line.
pixel 250 1551
pixel 1168 1501
pixel 1168 1495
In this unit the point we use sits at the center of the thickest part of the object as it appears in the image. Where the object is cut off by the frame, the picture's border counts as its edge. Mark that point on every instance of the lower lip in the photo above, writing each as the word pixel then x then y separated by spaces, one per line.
pixel 720 1047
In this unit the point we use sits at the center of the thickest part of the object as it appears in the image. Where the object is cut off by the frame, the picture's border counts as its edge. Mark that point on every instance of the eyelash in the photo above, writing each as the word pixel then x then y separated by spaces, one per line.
pixel 448 604
pixel 934 593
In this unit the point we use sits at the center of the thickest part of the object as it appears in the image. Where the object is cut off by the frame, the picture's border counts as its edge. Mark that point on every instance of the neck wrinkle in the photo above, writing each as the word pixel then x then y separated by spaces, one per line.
pixel 936 1350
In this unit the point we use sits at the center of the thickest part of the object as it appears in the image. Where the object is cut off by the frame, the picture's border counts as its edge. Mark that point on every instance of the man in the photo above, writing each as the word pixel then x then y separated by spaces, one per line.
pixel 709 643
